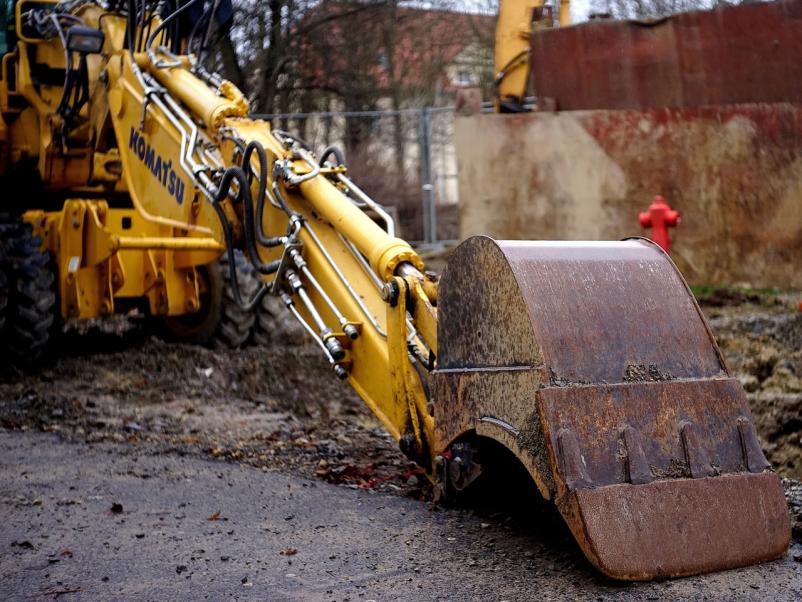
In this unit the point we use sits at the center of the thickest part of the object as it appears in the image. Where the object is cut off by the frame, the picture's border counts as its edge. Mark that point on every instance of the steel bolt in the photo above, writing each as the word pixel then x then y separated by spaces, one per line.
pixel 390 293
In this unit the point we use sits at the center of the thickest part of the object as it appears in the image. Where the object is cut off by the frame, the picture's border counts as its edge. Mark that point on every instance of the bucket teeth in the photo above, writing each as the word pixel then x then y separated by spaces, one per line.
pixel 573 467
pixel 696 456
pixel 592 363
pixel 638 471
pixel 754 460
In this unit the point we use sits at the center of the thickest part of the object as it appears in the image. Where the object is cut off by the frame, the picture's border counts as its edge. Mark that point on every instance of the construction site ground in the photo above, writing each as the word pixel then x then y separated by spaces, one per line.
pixel 132 468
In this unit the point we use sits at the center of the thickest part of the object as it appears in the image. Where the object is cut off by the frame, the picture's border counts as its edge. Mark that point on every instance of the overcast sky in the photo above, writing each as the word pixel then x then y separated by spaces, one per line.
pixel 579 10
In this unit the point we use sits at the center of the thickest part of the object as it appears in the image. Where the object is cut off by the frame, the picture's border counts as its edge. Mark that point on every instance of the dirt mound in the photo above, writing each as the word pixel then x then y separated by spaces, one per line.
pixel 280 408
pixel 763 346
pixel 272 407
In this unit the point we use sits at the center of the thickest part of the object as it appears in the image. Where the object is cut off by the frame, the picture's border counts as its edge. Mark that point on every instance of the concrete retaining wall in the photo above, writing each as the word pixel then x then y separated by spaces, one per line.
pixel 734 172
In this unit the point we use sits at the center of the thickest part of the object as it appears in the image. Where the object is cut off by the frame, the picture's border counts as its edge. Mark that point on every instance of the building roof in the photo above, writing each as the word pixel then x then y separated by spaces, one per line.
pixel 405 47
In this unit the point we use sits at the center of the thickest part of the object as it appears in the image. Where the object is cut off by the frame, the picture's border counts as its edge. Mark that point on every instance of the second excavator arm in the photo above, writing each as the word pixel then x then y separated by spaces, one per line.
pixel 517 19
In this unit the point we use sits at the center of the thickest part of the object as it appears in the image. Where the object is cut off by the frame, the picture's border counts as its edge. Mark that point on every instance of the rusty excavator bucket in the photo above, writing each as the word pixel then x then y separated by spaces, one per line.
pixel 593 364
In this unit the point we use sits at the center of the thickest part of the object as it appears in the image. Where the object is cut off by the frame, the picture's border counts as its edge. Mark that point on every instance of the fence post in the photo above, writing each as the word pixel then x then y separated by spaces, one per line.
pixel 429 211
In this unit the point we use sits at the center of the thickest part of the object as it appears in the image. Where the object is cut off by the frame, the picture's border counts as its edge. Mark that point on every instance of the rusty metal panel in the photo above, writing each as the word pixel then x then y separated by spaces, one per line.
pixel 592 363
pixel 656 415
pixel 681 526
pixel 603 312
pixel 743 54
pixel 492 334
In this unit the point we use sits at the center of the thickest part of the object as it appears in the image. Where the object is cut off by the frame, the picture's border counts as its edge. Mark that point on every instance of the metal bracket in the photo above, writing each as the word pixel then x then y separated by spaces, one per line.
pixel 287 263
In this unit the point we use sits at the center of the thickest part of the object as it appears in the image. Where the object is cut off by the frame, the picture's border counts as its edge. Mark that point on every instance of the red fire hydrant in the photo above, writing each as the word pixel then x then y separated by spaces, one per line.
pixel 660 217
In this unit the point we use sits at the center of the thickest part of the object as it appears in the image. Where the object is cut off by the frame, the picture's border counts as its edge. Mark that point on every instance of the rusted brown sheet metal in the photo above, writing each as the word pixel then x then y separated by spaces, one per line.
pixel 592 363
pixel 647 431
pixel 740 54
pixel 604 311
pixel 681 527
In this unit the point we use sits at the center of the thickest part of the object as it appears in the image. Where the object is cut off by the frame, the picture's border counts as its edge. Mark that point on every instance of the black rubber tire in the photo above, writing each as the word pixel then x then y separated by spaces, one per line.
pixel 3 297
pixel 4 268
pixel 219 321
pixel 31 309
pixel 236 324
pixel 267 313
pixel 275 325
pixel 197 328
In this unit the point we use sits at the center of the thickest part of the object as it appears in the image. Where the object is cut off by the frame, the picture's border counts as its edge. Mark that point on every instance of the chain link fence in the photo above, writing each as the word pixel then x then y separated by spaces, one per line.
pixel 404 159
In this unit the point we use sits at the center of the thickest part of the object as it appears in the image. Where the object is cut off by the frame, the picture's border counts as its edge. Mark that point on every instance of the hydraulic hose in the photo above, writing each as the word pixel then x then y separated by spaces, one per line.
pixel 336 152
pixel 209 26
pixel 256 147
pixel 238 174
pixel 279 134
pixel 169 19
pixel 232 264
pixel 281 201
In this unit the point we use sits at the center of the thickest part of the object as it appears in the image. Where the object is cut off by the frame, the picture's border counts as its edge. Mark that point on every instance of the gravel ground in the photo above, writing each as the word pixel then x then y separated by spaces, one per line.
pixel 277 408
pixel 117 389
pixel 109 522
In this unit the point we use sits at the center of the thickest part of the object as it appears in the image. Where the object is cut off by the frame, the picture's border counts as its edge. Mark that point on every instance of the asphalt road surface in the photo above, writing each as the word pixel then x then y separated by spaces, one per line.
pixel 111 522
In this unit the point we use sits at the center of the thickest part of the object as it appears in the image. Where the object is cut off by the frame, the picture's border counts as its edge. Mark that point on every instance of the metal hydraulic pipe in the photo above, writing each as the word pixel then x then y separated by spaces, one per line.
pixel 384 252
pixel 326 333
pixel 357 298
pixel 360 259
pixel 362 196
pixel 154 242
pixel 348 328
pixel 290 305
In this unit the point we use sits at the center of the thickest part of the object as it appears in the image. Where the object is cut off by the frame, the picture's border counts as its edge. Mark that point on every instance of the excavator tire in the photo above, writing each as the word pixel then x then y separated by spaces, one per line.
pixel 268 314
pixel 275 325
pixel 3 296
pixel 3 279
pixel 236 324
pixel 5 230
pixel 219 321
pixel 31 304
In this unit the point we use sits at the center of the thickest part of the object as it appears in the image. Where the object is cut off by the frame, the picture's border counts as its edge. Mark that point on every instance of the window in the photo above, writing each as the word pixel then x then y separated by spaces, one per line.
pixel 464 77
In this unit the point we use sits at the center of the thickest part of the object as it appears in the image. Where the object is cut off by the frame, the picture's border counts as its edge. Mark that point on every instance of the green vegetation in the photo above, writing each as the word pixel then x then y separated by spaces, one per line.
pixel 712 294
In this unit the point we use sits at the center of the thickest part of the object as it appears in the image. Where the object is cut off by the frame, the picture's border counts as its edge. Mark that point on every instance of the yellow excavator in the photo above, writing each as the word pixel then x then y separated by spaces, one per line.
pixel 129 171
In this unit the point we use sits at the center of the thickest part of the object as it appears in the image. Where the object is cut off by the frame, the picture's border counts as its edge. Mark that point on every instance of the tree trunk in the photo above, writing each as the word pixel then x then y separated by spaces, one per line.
pixel 231 67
